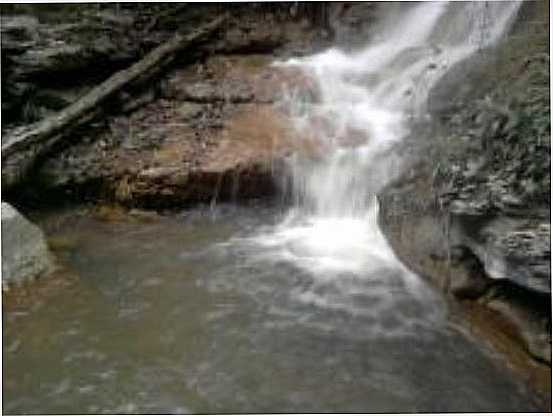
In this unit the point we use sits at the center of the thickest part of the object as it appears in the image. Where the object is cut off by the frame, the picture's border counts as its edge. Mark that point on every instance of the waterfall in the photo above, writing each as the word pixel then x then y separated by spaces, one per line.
pixel 366 100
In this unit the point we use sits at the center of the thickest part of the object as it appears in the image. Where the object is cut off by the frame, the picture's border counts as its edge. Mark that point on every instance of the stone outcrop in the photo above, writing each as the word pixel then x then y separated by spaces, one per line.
pixel 472 210
pixel 25 255
pixel 156 140
pixel 24 147
pixel 214 132
pixel 48 64
pixel 53 55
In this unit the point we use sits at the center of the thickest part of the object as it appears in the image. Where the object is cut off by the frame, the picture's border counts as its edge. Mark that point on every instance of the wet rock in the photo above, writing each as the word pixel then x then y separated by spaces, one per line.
pixel 18 32
pixel 231 91
pixel 487 166
pixel 238 163
pixel 353 23
pixel 62 48
pixel 530 313
pixel 281 82
pixel 144 216
pixel 514 249
pixel 190 111
pixel 66 48
pixel 470 207
pixel 184 110
pixel 250 37
pixel 243 80
pixel 58 56
pixel 175 151
pixel 25 255
pixel 470 281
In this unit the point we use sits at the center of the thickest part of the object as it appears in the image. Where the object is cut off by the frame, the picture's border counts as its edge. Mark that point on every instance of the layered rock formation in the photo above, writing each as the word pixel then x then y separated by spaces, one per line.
pixel 179 139
pixel 472 211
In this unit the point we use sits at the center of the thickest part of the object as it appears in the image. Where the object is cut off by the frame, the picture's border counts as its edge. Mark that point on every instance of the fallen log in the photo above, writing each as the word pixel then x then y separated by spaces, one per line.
pixel 22 146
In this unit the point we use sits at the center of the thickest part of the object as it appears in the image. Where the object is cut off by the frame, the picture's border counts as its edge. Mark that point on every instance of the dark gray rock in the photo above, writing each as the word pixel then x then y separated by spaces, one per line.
pixel 58 56
pixel 486 163
pixel 470 280
pixel 18 33
pixel 515 249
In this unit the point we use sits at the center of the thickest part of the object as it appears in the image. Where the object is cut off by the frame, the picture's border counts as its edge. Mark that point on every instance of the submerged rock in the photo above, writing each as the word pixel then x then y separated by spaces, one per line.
pixel 25 255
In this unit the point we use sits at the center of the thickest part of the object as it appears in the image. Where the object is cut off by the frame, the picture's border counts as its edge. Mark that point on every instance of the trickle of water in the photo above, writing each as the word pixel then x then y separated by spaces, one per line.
pixel 365 102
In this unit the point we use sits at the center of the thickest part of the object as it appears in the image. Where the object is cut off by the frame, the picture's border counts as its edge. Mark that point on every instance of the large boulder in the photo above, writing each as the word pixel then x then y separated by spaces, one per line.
pixel 472 210
pixel 25 255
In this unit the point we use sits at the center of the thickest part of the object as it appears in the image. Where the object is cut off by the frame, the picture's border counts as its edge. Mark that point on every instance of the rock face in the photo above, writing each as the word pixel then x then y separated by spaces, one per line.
pixel 472 212
pixel 51 56
pixel 25 255
pixel 158 144
pixel 515 249
pixel 189 136
pixel 214 132
pixel 47 64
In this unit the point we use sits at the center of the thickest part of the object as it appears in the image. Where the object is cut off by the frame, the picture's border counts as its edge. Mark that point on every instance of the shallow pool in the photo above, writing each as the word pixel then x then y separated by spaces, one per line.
pixel 189 313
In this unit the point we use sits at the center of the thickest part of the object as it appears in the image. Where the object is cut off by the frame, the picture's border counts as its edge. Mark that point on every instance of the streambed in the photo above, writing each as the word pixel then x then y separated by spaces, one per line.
pixel 190 313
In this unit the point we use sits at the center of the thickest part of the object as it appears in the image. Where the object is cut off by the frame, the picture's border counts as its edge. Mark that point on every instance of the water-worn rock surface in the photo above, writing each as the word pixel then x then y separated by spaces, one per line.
pixel 199 141
pixel 25 255
pixel 477 195
pixel 155 144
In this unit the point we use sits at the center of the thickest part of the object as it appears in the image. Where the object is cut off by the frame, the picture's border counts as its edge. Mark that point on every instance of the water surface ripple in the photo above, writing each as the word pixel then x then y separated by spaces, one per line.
pixel 193 323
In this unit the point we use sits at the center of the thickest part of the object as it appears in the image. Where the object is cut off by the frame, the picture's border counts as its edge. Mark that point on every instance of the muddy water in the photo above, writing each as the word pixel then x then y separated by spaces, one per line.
pixel 189 314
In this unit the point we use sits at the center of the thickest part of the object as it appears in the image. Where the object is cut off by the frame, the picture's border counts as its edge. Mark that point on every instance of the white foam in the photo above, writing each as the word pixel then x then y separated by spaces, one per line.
pixel 332 232
pixel 373 92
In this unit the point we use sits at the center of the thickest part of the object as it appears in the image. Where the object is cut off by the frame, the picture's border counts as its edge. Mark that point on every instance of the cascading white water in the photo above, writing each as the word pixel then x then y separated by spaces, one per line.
pixel 367 100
